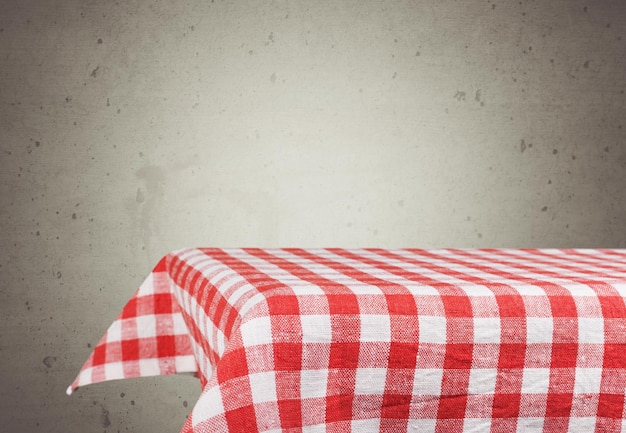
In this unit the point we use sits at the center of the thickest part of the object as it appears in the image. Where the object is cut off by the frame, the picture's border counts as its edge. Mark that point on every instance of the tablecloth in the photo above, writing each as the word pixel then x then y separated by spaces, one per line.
pixel 382 340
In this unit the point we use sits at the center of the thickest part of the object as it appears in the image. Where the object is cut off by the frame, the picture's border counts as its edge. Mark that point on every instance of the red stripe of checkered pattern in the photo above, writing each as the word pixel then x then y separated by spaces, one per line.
pixel 332 340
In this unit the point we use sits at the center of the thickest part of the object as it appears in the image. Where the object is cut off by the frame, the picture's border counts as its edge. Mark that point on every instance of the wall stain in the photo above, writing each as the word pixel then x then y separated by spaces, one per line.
pixel 104 417
pixel 140 197
pixel 94 73
pixel 148 200
pixel 49 361
pixel 523 145
pixel 459 96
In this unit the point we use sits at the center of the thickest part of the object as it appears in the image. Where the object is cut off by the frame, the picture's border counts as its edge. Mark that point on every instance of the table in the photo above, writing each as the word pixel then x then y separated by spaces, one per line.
pixel 389 340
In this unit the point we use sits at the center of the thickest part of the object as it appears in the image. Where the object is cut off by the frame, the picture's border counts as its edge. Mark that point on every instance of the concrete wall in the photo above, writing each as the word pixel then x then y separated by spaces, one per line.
pixel 131 128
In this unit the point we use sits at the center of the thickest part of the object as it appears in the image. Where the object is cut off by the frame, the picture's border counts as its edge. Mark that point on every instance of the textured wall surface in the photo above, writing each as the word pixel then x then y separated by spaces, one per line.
pixel 131 128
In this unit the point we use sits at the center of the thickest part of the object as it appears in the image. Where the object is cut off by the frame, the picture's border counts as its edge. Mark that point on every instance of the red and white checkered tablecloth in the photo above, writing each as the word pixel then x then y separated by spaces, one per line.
pixel 379 340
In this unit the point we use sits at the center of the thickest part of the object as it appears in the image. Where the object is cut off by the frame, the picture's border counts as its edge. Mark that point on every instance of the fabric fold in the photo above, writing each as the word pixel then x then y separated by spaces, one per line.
pixel 148 338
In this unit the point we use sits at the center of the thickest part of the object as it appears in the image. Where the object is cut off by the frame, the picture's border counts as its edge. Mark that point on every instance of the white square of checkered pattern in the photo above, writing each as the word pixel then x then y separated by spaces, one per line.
pixel 313 383
pixel 316 328
pixel 620 288
pixel 432 329
pixel 487 330
pixel 580 291
pixel 365 425
pixel 536 381
pixel 186 363
pixel 482 381
pixel 205 325
pixel 417 425
pixel 263 386
pixel 586 424
pixel 311 290
pixel 178 322
pixel 147 287
pixel 370 381
pixel 209 405
pixel 427 381
pixel 375 328
pixel 590 330
pixel 113 370
pixel 257 331
pixel 218 338
pixel 527 290
pixel 85 376
pixel 184 300
pixel 149 367
pixel 588 381
pixel 318 428
pixel 476 425
pixel 530 425
pixel 114 334
pixel 146 326
pixel 539 330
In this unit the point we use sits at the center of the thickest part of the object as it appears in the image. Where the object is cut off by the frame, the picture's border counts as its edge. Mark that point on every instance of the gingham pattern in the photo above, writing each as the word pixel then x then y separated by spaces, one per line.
pixel 364 340
pixel 148 338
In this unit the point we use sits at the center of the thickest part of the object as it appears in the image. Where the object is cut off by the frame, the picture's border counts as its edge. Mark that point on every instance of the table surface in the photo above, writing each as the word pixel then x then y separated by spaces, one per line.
pixel 329 340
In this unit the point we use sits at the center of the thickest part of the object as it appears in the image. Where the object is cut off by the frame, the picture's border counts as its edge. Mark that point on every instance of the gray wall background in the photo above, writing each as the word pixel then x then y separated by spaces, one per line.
pixel 132 128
